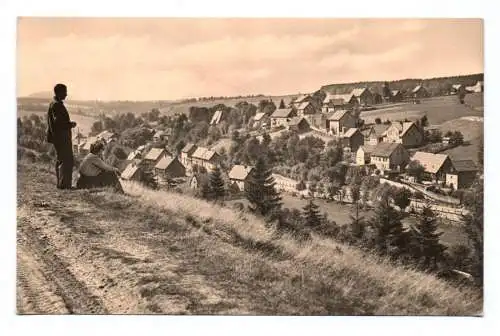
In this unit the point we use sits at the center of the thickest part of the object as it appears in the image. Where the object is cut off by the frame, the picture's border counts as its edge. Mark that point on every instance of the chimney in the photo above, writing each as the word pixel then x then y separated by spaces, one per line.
pixel 343 130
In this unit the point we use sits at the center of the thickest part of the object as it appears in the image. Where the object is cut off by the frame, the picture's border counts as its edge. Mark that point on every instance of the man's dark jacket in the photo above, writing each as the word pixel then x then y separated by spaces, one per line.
pixel 58 123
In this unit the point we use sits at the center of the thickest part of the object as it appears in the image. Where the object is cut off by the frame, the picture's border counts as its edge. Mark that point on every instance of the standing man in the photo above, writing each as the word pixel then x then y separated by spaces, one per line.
pixel 59 134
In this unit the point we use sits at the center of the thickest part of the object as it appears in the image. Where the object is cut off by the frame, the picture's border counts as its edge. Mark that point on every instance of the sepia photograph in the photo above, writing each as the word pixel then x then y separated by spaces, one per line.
pixel 249 166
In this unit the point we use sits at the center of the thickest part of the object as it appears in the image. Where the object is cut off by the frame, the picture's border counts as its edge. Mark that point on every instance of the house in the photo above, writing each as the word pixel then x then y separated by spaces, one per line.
pixel 132 172
pixel 375 134
pixel 299 124
pixel 107 136
pixel 436 165
pixel 305 108
pixel 397 96
pixel 284 183
pixel 197 180
pixel 239 175
pixel 462 174
pixel 260 119
pixel 187 153
pixel 281 117
pixel 457 88
pixel 217 117
pixel 206 158
pixel 169 167
pixel 363 95
pixel 160 136
pixel 299 100
pixel 389 156
pixel 353 139
pixel 336 102
pixel 419 92
pixel 363 154
pixel 134 155
pixel 478 87
pixel 154 156
pixel 406 133
pixel 339 122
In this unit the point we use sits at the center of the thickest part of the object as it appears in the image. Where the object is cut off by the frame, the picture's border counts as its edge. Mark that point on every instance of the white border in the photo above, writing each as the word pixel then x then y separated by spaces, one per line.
pixel 133 325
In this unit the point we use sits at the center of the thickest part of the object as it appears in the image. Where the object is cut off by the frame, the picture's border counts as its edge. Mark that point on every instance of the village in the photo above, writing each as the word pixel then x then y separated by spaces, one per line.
pixel 403 153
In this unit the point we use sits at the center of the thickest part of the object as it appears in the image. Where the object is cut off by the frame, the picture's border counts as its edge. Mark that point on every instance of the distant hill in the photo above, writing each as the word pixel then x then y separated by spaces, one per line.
pixel 435 86
pixel 41 94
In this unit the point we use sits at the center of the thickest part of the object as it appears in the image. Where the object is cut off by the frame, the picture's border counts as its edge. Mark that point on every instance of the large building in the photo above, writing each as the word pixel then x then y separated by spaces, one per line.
pixel 206 158
pixel 407 133
pixel 281 117
pixel 436 165
pixel 239 175
pixel 389 156
pixel 339 122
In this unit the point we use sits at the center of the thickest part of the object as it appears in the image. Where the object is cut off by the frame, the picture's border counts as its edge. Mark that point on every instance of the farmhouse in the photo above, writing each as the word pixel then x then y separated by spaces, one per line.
pixel 187 153
pixel 375 134
pixel 206 158
pixel 154 156
pixel 462 174
pixel 339 122
pixel 419 92
pixel 436 165
pixel 300 99
pixel 281 117
pixel 284 183
pixel 389 156
pixel 132 172
pixel 239 174
pixel 363 154
pixel 363 95
pixel 305 108
pixel 478 87
pixel 336 102
pixel 298 124
pixel 353 139
pixel 397 96
pixel 169 167
pixel 407 133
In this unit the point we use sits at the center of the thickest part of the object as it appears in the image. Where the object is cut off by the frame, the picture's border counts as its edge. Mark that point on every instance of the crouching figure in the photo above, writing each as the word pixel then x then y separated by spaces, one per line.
pixel 95 173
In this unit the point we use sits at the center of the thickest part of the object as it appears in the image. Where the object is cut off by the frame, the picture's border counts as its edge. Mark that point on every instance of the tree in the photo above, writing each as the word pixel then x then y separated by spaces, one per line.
pixel 401 198
pixel 260 190
pixel 416 170
pixel 357 221
pixel 217 184
pixel 149 179
pixel 474 228
pixel 390 236
pixel 311 215
pixel 282 104
pixel 457 138
pixel 425 245
pixel 424 122
pixel 96 127
pixel 378 121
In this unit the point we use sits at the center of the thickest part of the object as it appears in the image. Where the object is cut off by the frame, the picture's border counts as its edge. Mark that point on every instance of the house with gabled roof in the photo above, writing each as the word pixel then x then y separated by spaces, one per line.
pixel 187 153
pixel 132 171
pixel 352 139
pixel 339 122
pixel 462 174
pixel 419 92
pixel 397 96
pixel 388 156
pixel 298 124
pixel 375 133
pixel 239 174
pixel 217 117
pixel 154 156
pixel 363 95
pixel 363 154
pixel 295 102
pixel 107 136
pixel 281 117
pixel 305 108
pixel 406 133
pixel 478 87
pixel 169 167
pixel 206 158
pixel 436 165
pixel 336 102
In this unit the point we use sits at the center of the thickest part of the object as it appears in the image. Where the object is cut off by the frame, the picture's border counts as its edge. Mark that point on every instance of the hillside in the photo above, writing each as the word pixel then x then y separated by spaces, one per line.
pixel 159 252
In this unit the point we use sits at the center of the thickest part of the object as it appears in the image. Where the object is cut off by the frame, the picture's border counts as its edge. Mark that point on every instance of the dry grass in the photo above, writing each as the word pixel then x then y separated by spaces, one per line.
pixel 319 277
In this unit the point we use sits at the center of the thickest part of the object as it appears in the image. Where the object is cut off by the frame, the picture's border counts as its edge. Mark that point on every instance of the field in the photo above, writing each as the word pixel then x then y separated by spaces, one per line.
pixel 94 252
pixel 437 109
pixel 84 123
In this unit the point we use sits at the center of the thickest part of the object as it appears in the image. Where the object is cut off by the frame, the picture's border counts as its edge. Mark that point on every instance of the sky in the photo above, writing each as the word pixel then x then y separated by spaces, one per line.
pixel 175 58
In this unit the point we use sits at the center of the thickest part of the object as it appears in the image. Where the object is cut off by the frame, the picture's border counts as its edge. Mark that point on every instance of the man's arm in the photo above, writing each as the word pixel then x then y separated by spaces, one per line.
pixel 103 165
pixel 61 117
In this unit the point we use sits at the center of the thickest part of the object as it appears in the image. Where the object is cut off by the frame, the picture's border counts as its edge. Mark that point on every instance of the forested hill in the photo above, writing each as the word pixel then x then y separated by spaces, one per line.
pixel 435 86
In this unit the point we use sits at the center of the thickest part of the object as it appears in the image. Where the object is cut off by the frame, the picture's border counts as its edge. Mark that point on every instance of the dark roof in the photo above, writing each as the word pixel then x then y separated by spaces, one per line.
pixel 338 115
pixel 282 113
pixel 165 162
pixel 380 129
pixel 295 121
pixel 385 149
pixel 464 165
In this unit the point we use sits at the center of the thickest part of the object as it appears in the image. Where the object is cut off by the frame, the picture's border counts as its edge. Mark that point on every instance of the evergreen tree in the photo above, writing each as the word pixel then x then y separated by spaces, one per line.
pixel 389 234
pixel 217 184
pixel 148 178
pixel 311 215
pixel 401 198
pixel 425 244
pixel 474 228
pixel 205 191
pixel 282 104
pixel 357 221
pixel 260 191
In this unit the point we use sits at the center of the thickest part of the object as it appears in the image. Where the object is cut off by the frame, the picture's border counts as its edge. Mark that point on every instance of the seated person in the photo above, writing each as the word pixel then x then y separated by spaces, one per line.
pixel 94 172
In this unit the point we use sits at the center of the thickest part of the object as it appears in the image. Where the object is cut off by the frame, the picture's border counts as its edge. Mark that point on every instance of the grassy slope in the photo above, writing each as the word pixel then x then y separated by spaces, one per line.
pixel 199 258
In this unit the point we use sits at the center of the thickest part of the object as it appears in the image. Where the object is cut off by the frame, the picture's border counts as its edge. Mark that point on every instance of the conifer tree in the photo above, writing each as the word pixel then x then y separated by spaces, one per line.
pixel 425 244
pixel 217 184
pixel 357 221
pixel 260 190
pixel 311 215
pixel 148 178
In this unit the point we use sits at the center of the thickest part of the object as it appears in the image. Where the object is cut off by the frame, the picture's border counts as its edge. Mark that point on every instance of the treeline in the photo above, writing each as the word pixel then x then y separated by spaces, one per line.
pixel 435 86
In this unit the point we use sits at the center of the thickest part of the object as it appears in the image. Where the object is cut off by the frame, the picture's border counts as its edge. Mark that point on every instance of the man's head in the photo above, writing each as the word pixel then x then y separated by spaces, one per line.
pixel 60 91
pixel 97 147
